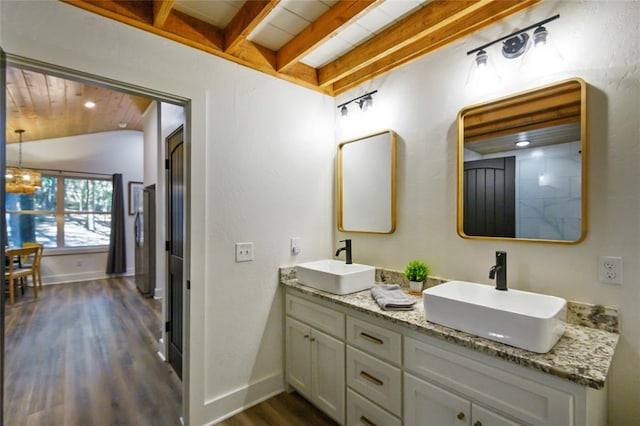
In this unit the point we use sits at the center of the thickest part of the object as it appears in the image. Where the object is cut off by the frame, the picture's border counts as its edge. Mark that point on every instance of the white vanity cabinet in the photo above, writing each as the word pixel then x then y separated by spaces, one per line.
pixel 315 360
pixel 368 371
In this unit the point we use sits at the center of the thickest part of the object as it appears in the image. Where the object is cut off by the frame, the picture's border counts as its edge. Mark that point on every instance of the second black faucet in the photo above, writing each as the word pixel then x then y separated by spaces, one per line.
pixel 499 271
pixel 347 248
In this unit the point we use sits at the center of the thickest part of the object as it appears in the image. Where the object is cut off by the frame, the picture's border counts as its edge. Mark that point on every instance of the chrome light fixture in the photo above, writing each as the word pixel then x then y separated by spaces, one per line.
pixel 364 102
pixel 19 180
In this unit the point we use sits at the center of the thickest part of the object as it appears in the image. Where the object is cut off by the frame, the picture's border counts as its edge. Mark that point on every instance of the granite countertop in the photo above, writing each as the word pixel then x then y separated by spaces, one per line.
pixel 582 355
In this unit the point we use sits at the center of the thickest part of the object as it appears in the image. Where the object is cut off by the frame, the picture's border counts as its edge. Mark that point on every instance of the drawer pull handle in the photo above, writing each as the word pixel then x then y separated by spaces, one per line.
pixel 372 379
pixel 313 339
pixel 367 422
pixel 460 415
pixel 477 423
pixel 371 338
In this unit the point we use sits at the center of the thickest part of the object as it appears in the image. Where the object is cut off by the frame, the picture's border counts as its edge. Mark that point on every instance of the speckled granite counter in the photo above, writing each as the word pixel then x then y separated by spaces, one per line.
pixel 582 355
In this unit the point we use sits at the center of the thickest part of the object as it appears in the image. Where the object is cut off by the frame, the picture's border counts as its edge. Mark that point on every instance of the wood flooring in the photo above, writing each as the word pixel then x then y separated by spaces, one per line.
pixel 282 410
pixel 86 354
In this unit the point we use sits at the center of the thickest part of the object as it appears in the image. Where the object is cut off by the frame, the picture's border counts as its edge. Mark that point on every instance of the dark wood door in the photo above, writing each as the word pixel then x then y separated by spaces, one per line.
pixel 490 197
pixel 175 246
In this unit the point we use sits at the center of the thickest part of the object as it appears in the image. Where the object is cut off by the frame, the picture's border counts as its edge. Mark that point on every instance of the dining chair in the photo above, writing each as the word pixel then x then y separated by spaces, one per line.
pixel 34 262
pixel 14 272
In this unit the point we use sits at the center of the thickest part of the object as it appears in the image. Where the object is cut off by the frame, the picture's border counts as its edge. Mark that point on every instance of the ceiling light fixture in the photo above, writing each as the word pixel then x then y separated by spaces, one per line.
pixel 90 104
pixel 364 102
pixel 516 43
pixel 19 180
pixel 522 144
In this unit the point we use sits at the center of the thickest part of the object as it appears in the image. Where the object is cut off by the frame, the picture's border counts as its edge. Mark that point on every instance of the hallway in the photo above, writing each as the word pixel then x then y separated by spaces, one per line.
pixel 86 353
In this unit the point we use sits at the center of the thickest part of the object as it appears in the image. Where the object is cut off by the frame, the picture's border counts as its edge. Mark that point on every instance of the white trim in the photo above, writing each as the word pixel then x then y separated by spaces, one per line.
pixel 157 293
pixel 245 397
pixel 80 276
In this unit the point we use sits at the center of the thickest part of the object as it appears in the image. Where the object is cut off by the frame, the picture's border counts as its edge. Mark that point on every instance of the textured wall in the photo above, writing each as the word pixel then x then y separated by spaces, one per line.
pixel 420 102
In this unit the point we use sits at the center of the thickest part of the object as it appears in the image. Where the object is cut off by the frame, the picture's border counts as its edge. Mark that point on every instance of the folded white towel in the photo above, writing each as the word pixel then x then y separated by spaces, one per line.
pixel 392 298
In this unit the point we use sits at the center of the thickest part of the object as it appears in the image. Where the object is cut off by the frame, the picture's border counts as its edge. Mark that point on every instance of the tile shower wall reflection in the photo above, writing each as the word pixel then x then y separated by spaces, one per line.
pixel 547 190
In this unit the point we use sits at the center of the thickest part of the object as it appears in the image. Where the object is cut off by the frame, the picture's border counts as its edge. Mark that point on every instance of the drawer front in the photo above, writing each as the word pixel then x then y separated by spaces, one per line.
pixel 362 412
pixel 517 396
pixel 318 317
pixel 375 379
pixel 378 341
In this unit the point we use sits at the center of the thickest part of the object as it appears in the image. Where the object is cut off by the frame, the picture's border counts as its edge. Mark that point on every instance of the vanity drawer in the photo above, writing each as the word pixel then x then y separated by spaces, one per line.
pixel 362 412
pixel 524 399
pixel 378 341
pixel 375 379
pixel 318 317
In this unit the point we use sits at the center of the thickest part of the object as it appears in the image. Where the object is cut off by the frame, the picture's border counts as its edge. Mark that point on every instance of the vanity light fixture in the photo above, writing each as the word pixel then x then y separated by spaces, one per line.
pixel 364 102
pixel 516 43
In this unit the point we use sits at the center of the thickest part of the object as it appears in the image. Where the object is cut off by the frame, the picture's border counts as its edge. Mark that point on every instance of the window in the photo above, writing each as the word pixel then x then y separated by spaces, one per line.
pixel 65 212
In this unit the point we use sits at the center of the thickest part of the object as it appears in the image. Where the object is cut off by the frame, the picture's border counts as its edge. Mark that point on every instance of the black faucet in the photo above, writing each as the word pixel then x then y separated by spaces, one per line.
pixel 347 247
pixel 501 269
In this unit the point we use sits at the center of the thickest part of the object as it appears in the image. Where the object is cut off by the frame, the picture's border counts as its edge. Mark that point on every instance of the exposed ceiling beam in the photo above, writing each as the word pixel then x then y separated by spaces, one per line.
pixel 161 10
pixel 200 35
pixel 340 15
pixel 248 17
pixel 432 17
pixel 483 17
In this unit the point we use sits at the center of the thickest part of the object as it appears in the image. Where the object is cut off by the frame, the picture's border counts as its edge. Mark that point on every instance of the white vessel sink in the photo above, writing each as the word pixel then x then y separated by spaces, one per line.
pixel 335 276
pixel 526 320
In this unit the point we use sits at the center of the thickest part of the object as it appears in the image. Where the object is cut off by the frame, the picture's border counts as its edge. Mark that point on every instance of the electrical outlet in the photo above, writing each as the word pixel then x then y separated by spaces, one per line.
pixel 610 269
pixel 244 252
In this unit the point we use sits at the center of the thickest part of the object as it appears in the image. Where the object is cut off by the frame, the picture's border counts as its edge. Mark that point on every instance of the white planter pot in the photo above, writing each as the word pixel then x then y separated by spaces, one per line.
pixel 415 287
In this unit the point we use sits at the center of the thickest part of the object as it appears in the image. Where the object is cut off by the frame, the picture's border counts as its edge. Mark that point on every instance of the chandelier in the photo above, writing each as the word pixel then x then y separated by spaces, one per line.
pixel 19 180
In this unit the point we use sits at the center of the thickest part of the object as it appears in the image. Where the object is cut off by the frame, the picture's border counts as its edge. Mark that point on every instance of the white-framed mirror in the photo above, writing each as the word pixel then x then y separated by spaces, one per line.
pixel 522 166
pixel 367 184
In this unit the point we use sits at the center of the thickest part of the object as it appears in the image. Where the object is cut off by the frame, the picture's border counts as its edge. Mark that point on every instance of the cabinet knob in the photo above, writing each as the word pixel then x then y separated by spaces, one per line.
pixel 306 336
pixel 477 423
pixel 313 339
pixel 460 415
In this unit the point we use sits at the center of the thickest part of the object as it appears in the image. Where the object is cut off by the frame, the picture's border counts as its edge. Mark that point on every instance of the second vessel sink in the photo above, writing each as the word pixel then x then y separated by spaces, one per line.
pixel 526 320
pixel 336 277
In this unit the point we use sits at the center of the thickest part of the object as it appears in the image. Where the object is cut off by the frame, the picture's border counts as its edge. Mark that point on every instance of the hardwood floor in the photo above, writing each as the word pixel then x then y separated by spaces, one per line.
pixel 85 354
pixel 282 410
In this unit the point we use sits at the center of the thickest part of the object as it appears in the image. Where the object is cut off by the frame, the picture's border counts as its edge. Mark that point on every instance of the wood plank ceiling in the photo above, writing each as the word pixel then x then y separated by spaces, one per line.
pixel 326 45
pixel 48 107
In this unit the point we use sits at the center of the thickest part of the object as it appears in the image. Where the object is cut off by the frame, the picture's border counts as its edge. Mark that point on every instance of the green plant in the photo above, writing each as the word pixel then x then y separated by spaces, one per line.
pixel 416 271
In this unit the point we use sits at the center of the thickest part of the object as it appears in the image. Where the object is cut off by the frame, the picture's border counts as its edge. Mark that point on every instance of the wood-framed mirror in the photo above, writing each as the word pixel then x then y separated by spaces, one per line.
pixel 522 166
pixel 367 184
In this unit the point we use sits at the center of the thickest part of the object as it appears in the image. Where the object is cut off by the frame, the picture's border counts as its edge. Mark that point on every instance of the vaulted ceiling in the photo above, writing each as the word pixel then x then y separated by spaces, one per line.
pixel 326 45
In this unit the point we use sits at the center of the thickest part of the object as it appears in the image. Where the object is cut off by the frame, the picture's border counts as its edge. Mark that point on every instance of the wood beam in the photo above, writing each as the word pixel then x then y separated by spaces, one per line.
pixel 161 10
pixel 200 35
pixel 481 18
pixel 432 17
pixel 340 15
pixel 248 17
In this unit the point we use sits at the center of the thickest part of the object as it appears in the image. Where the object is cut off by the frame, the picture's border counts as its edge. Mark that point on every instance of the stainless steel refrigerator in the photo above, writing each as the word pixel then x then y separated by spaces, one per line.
pixel 145 238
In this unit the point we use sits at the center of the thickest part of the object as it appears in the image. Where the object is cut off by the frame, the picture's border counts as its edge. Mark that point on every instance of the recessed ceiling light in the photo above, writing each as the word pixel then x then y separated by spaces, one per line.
pixel 90 104
pixel 122 125
pixel 522 144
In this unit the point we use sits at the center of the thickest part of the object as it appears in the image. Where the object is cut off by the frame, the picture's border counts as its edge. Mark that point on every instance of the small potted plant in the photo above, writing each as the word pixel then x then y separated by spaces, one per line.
pixel 416 272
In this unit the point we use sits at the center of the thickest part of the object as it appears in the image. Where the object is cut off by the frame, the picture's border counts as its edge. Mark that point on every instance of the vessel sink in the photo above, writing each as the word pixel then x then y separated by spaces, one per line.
pixel 336 277
pixel 526 320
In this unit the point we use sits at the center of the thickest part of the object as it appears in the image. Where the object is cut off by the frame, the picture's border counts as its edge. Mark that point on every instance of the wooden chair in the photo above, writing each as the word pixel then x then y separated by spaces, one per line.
pixel 14 271
pixel 35 261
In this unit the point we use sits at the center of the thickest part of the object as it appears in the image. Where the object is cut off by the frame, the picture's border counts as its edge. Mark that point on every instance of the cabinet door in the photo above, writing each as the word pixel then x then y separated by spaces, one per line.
pixel 429 405
pixel 327 372
pixel 483 417
pixel 298 356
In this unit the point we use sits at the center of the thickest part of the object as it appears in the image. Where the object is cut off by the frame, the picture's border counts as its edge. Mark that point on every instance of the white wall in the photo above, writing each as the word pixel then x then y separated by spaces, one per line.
pixel 599 43
pixel 262 156
pixel 107 153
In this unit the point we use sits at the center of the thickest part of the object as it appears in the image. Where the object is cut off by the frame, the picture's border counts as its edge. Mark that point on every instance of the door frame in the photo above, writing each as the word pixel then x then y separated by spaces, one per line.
pixel 156 95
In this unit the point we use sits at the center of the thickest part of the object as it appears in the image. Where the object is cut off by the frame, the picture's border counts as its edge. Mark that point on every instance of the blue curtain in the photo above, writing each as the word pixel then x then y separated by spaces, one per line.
pixel 117 260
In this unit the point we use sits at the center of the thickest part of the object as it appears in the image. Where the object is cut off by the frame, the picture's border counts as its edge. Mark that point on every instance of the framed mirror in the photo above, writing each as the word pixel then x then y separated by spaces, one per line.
pixel 367 184
pixel 522 166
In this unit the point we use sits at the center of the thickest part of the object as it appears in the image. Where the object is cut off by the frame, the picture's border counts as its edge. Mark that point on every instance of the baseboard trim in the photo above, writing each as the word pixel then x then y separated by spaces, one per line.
pixel 238 400
pixel 79 276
